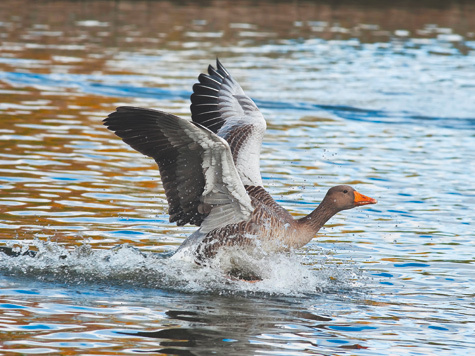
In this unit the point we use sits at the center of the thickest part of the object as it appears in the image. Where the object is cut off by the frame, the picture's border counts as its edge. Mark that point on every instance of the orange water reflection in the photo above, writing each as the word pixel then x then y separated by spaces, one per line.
pixel 81 37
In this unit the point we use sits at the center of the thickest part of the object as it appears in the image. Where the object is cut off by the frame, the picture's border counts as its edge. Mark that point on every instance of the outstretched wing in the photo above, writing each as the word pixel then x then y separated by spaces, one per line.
pixel 219 103
pixel 196 166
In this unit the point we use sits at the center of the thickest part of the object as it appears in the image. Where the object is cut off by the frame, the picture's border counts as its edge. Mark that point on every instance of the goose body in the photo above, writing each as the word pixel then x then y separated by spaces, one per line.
pixel 211 172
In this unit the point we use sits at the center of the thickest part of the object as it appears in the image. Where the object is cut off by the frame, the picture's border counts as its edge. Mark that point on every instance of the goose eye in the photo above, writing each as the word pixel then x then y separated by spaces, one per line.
pixel 345 191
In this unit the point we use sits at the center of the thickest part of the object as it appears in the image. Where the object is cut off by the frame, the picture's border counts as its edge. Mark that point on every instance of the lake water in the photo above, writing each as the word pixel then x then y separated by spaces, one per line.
pixel 378 96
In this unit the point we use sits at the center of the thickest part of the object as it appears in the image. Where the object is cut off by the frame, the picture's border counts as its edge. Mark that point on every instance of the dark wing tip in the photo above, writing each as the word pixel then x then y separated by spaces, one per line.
pixel 121 110
pixel 205 97
pixel 221 68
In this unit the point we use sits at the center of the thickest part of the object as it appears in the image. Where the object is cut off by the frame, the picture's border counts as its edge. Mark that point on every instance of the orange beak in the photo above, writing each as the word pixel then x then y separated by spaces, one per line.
pixel 361 199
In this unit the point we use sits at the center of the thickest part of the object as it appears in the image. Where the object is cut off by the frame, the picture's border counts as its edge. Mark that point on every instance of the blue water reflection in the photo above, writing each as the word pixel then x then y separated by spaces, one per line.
pixel 85 83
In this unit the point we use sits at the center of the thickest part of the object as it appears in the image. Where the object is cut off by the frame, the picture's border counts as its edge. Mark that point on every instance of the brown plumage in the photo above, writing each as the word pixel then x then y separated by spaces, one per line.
pixel 210 172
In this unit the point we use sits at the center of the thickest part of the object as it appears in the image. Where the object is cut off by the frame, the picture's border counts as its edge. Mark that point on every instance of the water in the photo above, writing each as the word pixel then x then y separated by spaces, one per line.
pixel 373 95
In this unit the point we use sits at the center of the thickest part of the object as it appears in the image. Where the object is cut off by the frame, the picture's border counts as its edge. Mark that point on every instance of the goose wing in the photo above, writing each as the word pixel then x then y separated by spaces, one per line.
pixel 219 103
pixel 196 166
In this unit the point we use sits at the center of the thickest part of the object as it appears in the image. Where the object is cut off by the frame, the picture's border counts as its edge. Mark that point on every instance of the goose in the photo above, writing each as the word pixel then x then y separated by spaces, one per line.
pixel 210 170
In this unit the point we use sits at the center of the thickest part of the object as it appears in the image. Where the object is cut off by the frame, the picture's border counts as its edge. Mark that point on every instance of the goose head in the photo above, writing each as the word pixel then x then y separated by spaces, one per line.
pixel 343 197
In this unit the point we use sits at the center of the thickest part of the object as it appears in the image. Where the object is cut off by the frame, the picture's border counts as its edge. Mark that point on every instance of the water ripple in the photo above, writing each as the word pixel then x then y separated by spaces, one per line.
pixel 381 100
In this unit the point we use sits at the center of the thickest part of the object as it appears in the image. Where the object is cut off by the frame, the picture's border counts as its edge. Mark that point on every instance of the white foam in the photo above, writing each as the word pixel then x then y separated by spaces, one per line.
pixel 282 274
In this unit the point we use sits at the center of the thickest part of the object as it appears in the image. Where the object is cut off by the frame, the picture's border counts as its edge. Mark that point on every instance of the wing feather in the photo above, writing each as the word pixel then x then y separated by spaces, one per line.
pixel 219 103
pixel 196 166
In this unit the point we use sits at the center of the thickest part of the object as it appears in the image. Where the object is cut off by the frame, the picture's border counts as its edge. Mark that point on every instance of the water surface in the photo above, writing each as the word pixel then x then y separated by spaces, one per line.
pixel 376 96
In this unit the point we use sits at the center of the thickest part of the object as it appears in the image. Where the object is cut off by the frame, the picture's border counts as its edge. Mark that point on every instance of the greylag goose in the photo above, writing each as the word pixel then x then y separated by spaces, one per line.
pixel 210 171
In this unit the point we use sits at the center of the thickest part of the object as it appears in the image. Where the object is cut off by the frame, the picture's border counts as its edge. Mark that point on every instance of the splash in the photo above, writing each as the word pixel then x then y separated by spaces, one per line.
pixel 124 265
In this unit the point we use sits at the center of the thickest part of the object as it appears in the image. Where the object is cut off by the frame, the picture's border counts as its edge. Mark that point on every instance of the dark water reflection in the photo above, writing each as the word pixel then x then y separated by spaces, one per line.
pixel 373 94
